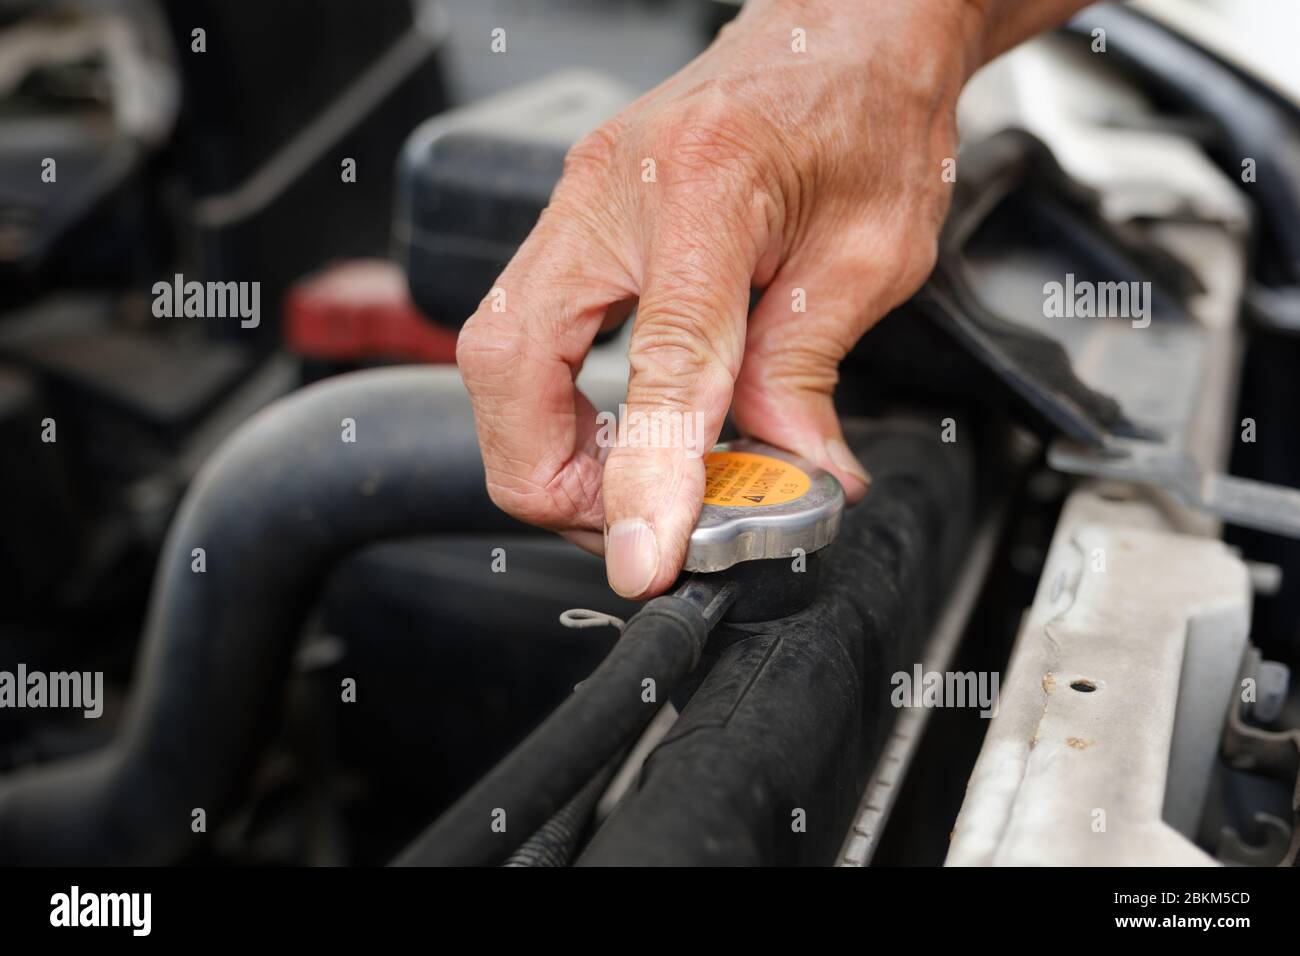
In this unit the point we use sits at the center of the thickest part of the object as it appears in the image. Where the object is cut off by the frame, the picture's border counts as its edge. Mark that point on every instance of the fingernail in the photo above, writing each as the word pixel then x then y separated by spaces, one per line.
pixel 631 556
pixel 845 460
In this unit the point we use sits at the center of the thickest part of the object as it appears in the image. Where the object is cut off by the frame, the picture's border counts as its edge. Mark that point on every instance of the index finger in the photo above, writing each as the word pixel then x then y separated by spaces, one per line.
pixel 519 355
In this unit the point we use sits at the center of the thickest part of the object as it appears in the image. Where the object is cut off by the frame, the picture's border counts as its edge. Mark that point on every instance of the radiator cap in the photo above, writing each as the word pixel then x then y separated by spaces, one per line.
pixel 761 503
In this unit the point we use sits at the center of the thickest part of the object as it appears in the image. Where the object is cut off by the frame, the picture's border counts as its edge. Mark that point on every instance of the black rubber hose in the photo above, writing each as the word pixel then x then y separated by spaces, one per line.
pixel 659 648
pixel 275 508
pixel 795 712
pixel 557 841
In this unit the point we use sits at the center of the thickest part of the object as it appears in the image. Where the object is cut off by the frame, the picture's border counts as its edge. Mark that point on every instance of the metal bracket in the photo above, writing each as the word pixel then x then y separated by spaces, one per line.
pixel 1273 753
pixel 1239 501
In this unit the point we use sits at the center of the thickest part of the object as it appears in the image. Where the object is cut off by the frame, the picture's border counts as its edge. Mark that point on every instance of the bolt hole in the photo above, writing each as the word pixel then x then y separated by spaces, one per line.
pixel 1083 686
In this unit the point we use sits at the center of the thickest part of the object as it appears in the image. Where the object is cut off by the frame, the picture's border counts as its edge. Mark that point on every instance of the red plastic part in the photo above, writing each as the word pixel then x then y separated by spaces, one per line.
pixel 360 310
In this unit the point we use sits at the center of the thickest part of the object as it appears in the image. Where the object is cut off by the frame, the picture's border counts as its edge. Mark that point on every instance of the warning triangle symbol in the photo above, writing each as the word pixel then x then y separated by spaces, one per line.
pixel 757 499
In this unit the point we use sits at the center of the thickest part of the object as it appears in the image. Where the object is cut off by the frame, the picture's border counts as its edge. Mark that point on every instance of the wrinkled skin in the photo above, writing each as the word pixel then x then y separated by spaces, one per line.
pixel 819 171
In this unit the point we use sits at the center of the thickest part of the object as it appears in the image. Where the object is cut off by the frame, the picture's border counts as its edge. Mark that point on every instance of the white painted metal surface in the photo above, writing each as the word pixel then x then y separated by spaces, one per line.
pixel 1076 764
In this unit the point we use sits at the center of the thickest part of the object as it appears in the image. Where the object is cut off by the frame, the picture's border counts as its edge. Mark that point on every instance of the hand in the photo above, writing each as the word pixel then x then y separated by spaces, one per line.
pixel 813 172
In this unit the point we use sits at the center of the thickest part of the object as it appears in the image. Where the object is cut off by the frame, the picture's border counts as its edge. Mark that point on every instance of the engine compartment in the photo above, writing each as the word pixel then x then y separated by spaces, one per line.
pixel 260 525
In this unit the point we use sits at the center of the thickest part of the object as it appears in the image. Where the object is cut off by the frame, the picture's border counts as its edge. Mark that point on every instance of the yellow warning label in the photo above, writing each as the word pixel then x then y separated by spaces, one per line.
pixel 742 479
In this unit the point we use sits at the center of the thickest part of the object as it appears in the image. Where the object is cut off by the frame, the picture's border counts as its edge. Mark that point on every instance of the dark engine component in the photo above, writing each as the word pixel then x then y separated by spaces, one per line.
pixel 263 523
pixel 474 181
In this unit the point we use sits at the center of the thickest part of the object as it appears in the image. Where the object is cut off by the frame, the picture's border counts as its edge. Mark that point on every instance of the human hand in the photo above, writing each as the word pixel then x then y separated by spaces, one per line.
pixel 803 153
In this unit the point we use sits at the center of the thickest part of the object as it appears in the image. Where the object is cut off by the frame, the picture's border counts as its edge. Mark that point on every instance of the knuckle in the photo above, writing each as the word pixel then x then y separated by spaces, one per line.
pixel 887 264
pixel 518 500
pixel 666 365
pixel 696 142
pixel 862 260
pixel 593 154
pixel 470 347
pixel 675 341
pixel 806 362
pixel 707 140
pixel 915 260
pixel 675 367
pixel 564 498
pixel 485 347
pixel 634 474
pixel 503 497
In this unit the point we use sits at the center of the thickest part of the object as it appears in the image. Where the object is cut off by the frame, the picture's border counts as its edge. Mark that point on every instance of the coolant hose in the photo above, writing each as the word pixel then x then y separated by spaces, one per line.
pixel 556 843
pixel 352 460
pixel 659 648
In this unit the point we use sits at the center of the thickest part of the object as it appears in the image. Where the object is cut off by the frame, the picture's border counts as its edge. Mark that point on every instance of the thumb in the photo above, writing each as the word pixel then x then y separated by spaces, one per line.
pixel 685 352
